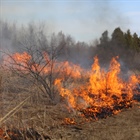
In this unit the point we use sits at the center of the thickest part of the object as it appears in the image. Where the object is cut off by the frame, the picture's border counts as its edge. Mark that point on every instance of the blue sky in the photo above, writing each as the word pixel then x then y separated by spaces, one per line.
pixel 84 20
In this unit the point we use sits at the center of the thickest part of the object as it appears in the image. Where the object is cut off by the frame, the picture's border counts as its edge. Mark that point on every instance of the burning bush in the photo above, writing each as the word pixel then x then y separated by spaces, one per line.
pixel 42 69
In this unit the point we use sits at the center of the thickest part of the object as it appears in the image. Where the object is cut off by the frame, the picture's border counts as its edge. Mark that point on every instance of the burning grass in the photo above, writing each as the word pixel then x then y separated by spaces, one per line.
pixel 92 95
pixel 103 95
pixel 104 92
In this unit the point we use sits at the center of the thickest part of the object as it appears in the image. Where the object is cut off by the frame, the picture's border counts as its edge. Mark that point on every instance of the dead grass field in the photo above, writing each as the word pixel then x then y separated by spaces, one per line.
pixel 49 119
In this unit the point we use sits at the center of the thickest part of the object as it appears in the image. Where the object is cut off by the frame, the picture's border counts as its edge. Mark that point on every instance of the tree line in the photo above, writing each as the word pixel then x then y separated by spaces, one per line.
pixel 122 44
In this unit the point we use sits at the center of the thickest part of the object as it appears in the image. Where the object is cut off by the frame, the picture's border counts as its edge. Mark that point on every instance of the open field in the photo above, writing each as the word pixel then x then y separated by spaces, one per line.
pixel 23 107
pixel 50 120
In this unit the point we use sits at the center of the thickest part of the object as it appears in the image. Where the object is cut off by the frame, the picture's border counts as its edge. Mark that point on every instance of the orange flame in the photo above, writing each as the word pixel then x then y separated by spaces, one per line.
pixel 69 121
pixel 104 90
pixel 24 62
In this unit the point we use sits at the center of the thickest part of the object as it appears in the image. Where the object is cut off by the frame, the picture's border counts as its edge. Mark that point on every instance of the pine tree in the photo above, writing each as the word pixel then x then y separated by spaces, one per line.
pixel 129 39
pixel 136 42
pixel 118 38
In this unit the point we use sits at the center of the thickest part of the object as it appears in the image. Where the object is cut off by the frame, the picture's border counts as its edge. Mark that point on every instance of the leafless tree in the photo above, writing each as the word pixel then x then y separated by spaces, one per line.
pixel 37 59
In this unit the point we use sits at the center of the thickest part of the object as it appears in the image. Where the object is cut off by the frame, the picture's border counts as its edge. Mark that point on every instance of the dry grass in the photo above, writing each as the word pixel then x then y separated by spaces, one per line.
pixel 48 119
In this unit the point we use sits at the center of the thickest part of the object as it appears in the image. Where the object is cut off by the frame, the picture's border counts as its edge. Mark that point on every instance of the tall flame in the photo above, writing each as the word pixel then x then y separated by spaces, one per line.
pixel 97 91
pixel 104 90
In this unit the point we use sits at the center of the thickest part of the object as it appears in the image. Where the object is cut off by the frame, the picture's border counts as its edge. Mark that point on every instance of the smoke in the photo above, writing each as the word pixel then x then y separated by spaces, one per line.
pixel 91 18
pixel 84 20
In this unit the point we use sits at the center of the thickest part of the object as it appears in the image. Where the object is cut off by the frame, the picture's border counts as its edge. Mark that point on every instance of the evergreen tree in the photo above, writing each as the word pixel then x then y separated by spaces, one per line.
pixel 129 39
pixel 136 41
pixel 104 39
pixel 118 38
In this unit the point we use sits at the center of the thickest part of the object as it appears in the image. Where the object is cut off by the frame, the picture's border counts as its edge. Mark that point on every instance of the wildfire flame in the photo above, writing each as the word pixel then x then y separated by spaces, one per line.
pixel 25 62
pixel 103 92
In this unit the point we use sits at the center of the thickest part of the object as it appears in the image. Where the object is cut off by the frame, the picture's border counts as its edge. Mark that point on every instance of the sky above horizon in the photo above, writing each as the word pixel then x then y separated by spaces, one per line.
pixel 84 20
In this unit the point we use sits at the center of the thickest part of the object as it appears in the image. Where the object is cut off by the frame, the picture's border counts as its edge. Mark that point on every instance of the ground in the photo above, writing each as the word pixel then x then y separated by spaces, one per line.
pixel 26 108
pixel 52 120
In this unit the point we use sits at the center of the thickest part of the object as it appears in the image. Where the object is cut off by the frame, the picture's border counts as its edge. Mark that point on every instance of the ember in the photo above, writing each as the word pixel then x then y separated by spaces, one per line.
pixel 69 121
pixel 21 134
